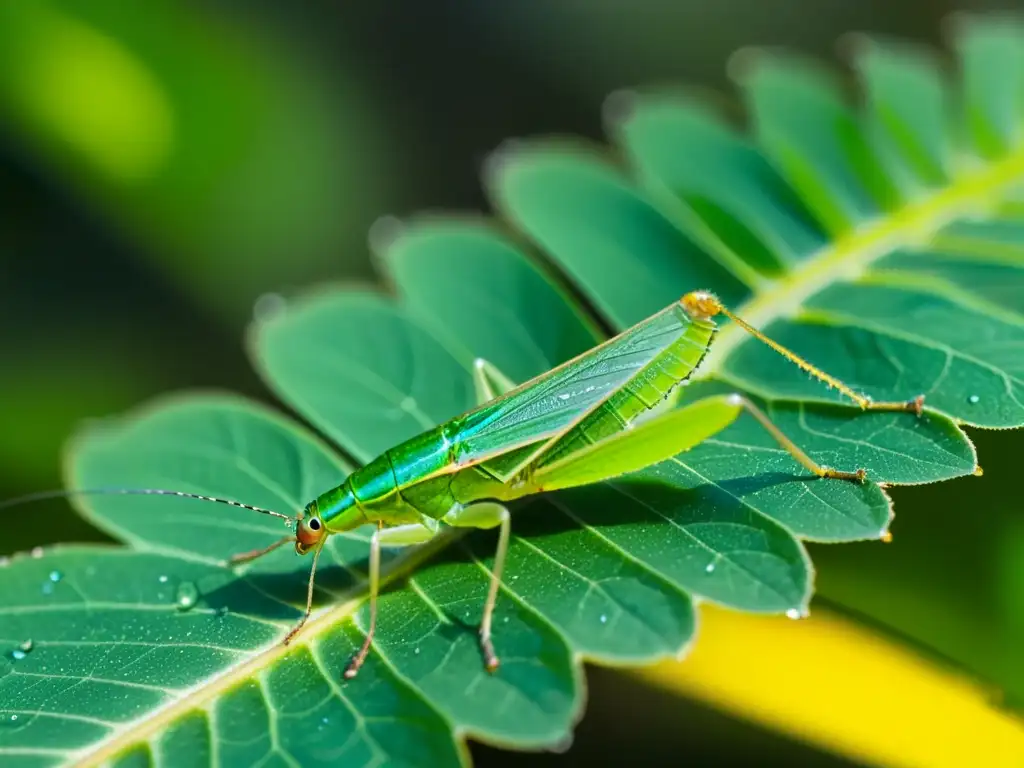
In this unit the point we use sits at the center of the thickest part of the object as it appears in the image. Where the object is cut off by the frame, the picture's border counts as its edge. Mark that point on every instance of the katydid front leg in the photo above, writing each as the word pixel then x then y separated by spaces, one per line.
pixel 482 516
pixel 488 383
pixel 399 536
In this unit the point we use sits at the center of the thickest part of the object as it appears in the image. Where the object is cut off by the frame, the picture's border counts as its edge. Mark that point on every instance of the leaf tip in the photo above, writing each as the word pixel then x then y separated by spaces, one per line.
pixel 497 164
pixel 384 233
pixel 741 66
pixel 619 107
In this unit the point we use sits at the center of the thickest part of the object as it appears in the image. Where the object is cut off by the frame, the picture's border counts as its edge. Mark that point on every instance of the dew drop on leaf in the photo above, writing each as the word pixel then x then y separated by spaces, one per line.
pixel 973 399
pixel 56 576
pixel 709 568
pixel 604 619
pixel 47 587
pixel 162 579
pixel 416 651
pixel 22 651
pixel 186 596
pixel 795 613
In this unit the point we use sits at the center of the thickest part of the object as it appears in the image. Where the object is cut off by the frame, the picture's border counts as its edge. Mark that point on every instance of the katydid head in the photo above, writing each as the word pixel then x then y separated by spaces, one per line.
pixel 701 305
pixel 309 529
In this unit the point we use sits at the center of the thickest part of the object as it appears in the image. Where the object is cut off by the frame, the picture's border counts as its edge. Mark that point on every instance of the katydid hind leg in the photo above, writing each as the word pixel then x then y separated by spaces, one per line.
pixel 793 449
pixel 398 536
pixel 661 438
pixel 637 447
pixel 486 515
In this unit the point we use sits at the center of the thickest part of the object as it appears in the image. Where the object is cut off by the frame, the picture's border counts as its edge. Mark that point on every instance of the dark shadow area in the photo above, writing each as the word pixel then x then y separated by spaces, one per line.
pixel 629 723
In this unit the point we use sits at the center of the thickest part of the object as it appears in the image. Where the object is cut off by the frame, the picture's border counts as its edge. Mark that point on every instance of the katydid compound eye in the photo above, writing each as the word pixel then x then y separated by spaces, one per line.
pixel 314 524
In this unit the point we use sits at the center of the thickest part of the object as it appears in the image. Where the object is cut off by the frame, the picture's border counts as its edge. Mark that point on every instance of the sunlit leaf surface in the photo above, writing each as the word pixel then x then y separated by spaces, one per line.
pixel 881 241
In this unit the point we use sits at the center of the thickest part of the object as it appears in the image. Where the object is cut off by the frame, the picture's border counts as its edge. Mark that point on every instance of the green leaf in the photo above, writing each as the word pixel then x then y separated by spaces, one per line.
pixel 875 240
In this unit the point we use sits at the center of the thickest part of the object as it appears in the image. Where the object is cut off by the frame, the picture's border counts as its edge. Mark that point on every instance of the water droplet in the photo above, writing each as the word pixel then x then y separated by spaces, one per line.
pixel 709 568
pixel 36 552
pixel 564 396
pixel 22 651
pixel 973 399
pixel 162 579
pixel 186 596
pixel 56 576
pixel 505 620
pixel 416 651
pixel 14 718
pixel 325 720
pixel 794 613
pixel 47 587
pixel 604 619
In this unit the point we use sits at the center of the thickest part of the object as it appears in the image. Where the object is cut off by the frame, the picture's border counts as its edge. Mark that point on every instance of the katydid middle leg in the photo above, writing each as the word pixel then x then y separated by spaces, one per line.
pixel 483 516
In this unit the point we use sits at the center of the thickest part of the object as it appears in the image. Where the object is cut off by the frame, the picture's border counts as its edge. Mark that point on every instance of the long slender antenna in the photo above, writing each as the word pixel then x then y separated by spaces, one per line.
pixel 42 495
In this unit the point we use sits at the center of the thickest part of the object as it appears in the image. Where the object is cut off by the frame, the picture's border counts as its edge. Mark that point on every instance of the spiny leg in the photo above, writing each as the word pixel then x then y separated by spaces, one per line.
pixel 309 594
pixel 659 439
pixel 794 450
pixel 486 515
pixel 399 536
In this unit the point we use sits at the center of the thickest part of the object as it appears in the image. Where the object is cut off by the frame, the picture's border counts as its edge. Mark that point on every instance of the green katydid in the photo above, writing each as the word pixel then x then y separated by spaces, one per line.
pixel 588 420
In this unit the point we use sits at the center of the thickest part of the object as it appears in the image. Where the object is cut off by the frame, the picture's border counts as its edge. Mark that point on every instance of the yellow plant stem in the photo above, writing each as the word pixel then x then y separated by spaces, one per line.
pixel 838 686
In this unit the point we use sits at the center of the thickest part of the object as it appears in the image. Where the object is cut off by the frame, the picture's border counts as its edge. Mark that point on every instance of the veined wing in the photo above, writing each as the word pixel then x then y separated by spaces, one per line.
pixel 551 402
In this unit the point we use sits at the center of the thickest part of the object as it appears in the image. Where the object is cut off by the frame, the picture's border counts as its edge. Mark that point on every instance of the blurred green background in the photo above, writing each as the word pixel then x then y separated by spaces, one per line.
pixel 164 165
